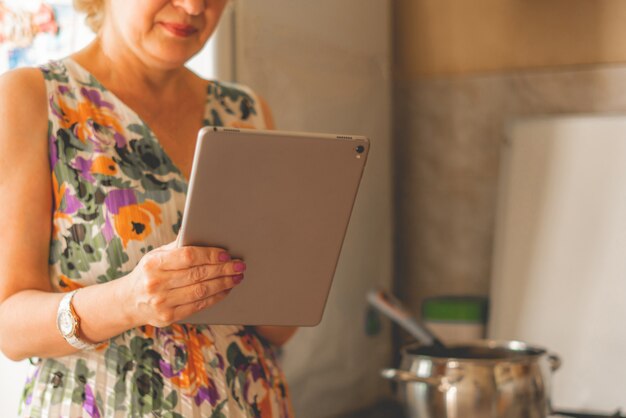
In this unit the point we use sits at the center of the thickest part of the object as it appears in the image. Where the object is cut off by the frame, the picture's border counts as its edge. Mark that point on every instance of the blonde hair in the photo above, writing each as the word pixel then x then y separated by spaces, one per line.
pixel 94 9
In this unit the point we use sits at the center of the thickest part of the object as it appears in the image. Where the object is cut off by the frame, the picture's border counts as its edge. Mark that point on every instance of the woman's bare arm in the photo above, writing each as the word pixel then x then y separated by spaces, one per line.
pixel 166 286
pixel 27 305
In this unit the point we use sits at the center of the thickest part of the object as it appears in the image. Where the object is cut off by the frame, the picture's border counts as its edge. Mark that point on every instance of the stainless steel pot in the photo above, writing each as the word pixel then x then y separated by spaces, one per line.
pixel 483 379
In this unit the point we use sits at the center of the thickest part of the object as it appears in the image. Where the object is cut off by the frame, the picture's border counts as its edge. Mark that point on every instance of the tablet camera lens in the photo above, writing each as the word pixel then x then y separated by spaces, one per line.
pixel 360 149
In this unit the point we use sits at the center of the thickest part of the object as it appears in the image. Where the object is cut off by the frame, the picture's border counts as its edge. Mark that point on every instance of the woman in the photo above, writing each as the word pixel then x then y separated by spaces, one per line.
pixel 96 151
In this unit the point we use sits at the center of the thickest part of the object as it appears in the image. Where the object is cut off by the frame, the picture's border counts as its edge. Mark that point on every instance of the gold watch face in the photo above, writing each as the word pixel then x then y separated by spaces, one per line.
pixel 66 323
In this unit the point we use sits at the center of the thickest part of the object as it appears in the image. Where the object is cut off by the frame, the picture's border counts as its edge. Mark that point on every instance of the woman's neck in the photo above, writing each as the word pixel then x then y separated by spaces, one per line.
pixel 123 72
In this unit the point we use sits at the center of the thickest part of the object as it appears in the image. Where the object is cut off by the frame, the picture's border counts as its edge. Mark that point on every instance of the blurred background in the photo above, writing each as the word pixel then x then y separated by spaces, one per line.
pixel 496 176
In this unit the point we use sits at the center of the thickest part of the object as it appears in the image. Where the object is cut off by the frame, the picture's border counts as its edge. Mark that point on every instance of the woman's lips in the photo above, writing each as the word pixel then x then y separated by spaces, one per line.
pixel 178 29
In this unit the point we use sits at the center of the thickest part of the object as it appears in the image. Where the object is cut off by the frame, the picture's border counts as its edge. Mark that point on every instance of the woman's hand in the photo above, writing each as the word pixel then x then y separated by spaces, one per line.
pixel 170 284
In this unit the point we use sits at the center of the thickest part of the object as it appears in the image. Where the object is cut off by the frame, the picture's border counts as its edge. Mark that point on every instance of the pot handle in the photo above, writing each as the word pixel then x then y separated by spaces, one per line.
pixel 555 362
pixel 402 376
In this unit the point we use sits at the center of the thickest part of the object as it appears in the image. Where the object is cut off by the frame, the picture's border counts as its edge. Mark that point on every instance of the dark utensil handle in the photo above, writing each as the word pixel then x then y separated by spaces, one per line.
pixel 391 307
pixel 574 414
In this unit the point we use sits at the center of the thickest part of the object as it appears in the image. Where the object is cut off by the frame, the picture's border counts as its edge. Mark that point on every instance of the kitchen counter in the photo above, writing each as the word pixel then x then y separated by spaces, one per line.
pixel 393 409
pixel 385 409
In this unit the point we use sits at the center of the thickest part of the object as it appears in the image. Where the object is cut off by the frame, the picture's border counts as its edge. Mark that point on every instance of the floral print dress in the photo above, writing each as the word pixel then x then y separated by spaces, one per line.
pixel 117 195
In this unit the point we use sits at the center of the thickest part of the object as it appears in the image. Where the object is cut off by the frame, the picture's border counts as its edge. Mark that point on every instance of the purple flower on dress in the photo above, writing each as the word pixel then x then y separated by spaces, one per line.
pixel 54 152
pixel 72 204
pixel 257 371
pixel 90 403
pixel 64 89
pixel 207 394
pixel 119 198
pixel 167 334
pixel 103 137
pixel 84 166
pixel 166 369
pixel 94 97
pixel 120 140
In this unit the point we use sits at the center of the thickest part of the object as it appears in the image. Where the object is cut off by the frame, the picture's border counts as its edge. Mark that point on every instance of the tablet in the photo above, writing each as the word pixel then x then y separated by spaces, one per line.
pixel 281 201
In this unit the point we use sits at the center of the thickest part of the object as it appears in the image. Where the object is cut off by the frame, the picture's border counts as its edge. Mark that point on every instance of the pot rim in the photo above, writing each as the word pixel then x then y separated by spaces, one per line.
pixel 534 352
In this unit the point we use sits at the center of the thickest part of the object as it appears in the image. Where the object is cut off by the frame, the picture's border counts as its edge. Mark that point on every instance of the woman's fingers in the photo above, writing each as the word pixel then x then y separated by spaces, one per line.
pixel 174 279
pixel 203 290
pixel 162 308
pixel 185 257
pixel 173 283
pixel 183 311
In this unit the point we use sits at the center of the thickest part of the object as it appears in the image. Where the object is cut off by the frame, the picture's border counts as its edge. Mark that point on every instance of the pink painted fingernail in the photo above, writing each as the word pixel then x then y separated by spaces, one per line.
pixel 224 256
pixel 238 278
pixel 239 267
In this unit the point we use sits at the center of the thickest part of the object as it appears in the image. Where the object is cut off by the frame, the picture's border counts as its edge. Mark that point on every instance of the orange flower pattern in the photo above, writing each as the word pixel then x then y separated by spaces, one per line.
pixel 104 165
pixel 118 195
pixel 133 222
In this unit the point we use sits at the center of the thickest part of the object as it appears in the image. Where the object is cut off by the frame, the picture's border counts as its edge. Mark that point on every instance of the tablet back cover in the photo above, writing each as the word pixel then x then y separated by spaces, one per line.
pixel 282 203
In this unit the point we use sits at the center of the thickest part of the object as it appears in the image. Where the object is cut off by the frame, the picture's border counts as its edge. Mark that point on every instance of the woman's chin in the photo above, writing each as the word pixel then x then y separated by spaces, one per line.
pixel 169 60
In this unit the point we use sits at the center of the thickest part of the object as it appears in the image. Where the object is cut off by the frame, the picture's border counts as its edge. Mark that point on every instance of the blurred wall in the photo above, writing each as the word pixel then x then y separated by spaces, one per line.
pixel 442 37
pixel 324 66
pixel 463 71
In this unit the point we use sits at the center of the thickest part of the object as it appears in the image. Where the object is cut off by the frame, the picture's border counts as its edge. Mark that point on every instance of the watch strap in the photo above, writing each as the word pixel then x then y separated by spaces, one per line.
pixel 66 301
pixel 74 340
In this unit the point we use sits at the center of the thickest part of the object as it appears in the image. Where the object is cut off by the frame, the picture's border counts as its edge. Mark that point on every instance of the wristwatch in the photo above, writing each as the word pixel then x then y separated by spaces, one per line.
pixel 68 323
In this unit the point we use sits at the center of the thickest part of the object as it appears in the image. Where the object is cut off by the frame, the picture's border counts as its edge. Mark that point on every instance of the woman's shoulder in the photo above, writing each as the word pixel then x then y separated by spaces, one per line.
pixel 33 76
pixel 23 89
pixel 223 90
pixel 22 79
pixel 23 113
pixel 248 99
pixel 232 90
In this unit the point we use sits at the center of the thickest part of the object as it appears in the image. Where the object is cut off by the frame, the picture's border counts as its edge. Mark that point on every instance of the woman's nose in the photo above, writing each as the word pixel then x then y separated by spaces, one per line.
pixel 191 7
